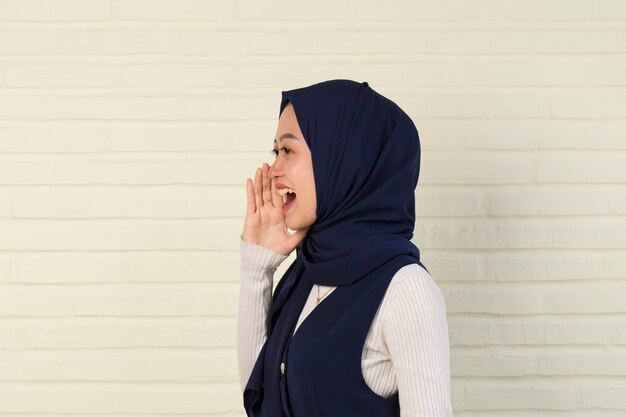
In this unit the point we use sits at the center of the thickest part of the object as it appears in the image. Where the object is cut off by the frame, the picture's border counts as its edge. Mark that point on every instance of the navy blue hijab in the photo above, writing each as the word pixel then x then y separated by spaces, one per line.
pixel 366 159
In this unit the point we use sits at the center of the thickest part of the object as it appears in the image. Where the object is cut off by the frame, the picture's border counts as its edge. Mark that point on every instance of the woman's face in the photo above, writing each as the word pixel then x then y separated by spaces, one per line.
pixel 293 168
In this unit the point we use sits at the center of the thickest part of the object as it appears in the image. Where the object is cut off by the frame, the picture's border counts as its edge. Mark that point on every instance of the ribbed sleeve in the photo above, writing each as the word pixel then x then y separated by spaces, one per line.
pixel 416 333
pixel 256 258
pixel 257 267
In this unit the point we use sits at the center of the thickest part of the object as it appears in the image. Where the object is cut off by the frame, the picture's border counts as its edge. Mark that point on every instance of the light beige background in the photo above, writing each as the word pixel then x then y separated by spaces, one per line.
pixel 127 131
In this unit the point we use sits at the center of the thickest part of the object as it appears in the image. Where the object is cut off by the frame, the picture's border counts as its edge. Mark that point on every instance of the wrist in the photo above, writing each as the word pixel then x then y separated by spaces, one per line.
pixel 257 257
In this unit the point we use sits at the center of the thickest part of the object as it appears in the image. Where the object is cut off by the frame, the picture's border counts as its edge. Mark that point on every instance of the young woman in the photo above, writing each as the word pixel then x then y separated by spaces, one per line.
pixel 356 326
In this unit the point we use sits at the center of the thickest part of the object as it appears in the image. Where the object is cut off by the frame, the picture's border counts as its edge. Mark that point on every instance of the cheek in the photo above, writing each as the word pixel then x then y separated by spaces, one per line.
pixel 309 181
pixel 309 192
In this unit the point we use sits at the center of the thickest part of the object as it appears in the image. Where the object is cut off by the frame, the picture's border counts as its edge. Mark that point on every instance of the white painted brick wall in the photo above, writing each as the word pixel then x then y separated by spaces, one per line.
pixel 128 128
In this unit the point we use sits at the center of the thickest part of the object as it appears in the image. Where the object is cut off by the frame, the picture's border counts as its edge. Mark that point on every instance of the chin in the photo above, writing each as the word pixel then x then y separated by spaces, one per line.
pixel 290 225
pixel 297 225
pixel 294 228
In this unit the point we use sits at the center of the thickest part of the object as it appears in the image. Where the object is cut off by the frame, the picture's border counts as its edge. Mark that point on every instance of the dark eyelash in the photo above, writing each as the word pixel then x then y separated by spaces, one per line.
pixel 285 149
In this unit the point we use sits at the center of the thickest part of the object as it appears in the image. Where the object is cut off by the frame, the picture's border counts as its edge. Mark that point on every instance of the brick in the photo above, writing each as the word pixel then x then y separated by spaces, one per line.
pixel 57 11
pixel 512 398
pixel 52 139
pixel 454 169
pixel 486 365
pixel 609 9
pixel 76 76
pixel 542 267
pixel 607 397
pixel 185 300
pixel 117 301
pixel 515 40
pixel 159 398
pixel 233 43
pixel 535 299
pixel 288 11
pixel 575 168
pixel 89 235
pixel 536 331
pixel 610 71
pixel 534 10
pixel 491 106
pixel 50 333
pixel 92 42
pixel 589 105
pixel 116 267
pixel 177 76
pixel 419 10
pixel 175 202
pixel 596 362
pixel 257 72
pixel 551 200
pixel 540 135
pixel 186 10
pixel 215 365
pixel 208 169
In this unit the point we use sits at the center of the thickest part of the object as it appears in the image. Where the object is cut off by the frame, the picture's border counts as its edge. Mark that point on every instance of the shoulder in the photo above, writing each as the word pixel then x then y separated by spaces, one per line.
pixel 413 279
pixel 410 271
pixel 413 295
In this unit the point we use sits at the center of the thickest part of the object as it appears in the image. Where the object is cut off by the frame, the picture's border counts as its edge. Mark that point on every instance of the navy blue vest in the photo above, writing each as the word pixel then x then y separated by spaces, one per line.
pixel 321 371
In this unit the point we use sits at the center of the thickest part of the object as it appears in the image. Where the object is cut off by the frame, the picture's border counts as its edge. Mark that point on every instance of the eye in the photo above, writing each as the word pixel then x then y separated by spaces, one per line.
pixel 287 151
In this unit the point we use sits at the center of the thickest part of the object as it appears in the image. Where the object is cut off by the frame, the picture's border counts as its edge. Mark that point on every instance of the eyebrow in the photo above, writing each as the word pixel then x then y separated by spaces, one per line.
pixel 287 136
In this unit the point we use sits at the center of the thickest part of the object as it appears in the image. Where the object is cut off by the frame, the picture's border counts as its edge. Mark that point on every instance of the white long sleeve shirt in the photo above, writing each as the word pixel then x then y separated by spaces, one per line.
pixel 406 349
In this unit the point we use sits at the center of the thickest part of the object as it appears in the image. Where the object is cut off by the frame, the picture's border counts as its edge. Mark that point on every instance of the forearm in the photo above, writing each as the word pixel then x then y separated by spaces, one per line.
pixel 257 268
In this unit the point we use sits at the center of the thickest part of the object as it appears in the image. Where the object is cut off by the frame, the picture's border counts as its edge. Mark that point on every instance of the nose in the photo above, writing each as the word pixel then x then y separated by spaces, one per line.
pixel 275 169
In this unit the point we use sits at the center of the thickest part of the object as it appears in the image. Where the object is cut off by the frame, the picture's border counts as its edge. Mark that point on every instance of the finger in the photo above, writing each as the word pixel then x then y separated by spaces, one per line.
pixel 251 207
pixel 267 193
pixel 257 188
pixel 277 200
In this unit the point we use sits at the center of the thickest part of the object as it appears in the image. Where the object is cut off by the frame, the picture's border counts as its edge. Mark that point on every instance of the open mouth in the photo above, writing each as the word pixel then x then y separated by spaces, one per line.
pixel 289 196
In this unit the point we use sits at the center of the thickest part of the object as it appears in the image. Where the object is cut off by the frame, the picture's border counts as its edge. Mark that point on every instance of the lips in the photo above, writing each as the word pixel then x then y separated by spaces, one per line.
pixel 280 186
pixel 289 202
pixel 288 197
pixel 284 190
